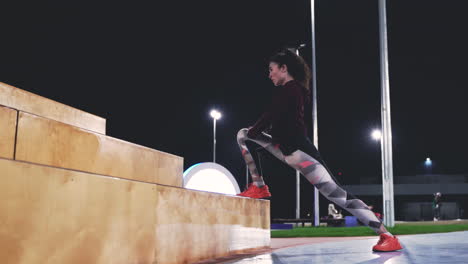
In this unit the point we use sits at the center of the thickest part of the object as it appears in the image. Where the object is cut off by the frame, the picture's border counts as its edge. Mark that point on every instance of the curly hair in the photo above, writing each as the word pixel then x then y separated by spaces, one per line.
pixel 297 67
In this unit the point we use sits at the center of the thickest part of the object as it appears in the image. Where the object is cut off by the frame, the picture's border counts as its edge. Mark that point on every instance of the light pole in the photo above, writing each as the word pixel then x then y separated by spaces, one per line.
pixel 298 174
pixel 386 142
pixel 428 165
pixel 314 104
pixel 215 115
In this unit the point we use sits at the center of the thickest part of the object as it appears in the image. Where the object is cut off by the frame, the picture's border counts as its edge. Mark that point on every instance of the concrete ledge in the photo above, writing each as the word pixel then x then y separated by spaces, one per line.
pixel 16 98
pixel 198 225
pixel 7 132
pixel 55 216
pixel 48 142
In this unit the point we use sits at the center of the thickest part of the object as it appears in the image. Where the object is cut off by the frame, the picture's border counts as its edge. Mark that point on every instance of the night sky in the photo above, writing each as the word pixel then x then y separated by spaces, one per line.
pixel 154 69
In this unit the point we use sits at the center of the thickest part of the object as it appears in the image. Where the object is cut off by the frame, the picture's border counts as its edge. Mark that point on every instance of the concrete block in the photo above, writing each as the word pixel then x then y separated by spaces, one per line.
pixel 19 99
pixel 52 215
pixel 8 118
pixel 44 141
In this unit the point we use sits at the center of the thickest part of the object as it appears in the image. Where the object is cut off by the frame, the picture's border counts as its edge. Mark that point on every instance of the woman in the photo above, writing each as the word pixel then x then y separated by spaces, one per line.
pixel 289 143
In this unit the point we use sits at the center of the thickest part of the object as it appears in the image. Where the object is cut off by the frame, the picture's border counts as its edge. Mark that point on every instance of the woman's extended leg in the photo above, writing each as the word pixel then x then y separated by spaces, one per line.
pixel 318 175
pixel 315 172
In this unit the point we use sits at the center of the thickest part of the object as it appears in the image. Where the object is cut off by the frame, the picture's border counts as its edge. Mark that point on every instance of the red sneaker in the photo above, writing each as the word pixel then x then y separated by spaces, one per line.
pixel 244 193
pixel 387 243
pixel 254 192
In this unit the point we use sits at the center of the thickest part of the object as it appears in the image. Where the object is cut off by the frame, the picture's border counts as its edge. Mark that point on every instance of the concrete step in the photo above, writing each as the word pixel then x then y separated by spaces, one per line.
pixel 48 142
pixel 55 216
pixel 7 132
pixel 19 99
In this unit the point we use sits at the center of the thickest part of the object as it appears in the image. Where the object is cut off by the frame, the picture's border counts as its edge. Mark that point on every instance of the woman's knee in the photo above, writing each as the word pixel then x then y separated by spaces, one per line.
pixel 293 161
pixel 242 135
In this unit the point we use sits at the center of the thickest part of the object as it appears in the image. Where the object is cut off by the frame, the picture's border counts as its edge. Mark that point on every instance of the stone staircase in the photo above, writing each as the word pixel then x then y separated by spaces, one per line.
pixel 71 194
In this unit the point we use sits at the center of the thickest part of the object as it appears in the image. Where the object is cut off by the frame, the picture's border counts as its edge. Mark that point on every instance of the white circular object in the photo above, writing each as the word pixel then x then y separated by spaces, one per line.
pixel 210 177
pixel 376 134
pixel 215 114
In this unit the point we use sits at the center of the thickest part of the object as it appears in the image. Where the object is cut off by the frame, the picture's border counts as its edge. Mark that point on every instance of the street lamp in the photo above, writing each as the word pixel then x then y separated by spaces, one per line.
pixel 388 183
pixel 215 115
pixel 428 165
pixel 428 162
pixel 376 134
pixel 386 142
pixel 314 121
pixel 298 175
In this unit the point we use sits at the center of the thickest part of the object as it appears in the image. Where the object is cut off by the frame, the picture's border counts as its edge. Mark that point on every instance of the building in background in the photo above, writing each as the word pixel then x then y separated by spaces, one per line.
pixel 414 195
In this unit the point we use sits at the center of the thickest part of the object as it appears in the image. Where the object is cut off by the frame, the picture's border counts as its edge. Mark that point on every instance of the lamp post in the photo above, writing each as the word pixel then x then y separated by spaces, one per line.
pixel 314 104
pixel 215 115
pixel 298 174
pixel 376 134
pixel 386 142
pixel 428 165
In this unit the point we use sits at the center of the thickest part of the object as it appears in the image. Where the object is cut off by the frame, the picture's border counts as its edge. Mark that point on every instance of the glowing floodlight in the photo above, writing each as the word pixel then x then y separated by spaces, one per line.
pixel 215 114
pixel 210 177
pixel 428 162
pixel 376 134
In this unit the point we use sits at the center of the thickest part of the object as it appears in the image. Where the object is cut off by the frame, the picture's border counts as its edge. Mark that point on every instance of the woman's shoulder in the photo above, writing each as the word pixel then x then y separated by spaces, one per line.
pixel 296 88
pixel 293 84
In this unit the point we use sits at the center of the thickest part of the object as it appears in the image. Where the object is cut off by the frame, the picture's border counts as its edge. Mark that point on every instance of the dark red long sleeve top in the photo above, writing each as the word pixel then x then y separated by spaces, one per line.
pixel 285 114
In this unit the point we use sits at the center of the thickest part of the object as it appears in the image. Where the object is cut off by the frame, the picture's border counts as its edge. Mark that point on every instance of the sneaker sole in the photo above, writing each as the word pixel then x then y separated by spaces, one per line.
pixel 375 250
pixel 262 198
pixel 387 251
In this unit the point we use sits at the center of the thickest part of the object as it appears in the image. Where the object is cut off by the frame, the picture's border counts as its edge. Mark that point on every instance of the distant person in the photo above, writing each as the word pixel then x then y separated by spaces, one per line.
pixel 436 205
pixel 289 143
pixel 333 213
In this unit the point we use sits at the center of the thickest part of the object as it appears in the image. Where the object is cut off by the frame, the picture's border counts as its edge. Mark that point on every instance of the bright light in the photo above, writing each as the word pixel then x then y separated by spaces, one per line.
pixel 210 177
pixel 215 114
pixel 376 134
pixel 428 162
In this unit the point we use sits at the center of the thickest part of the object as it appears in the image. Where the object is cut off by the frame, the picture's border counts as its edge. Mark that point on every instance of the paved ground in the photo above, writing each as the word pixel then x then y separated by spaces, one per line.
pixel 441 222
pixel 428 248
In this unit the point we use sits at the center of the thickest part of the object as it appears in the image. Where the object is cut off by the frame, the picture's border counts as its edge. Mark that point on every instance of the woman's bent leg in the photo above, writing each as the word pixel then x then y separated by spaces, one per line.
pixel 257 189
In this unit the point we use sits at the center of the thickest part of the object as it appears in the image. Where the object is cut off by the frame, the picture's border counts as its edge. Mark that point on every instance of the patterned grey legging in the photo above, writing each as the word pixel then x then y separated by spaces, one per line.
pixel 315 173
